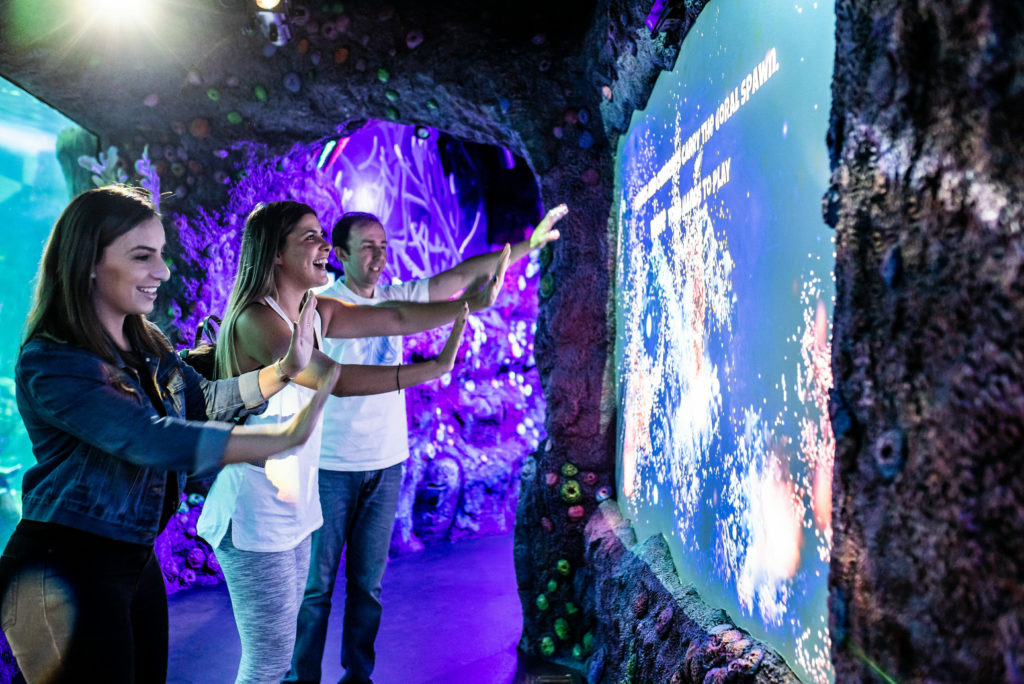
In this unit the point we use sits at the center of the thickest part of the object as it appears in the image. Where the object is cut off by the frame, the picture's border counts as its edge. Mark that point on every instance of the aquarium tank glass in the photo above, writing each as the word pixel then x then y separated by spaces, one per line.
pixel 32 195
pixel 724 299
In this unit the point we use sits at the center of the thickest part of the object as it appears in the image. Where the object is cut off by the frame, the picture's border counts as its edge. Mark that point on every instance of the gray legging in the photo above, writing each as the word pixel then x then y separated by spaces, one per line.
pixel 266 590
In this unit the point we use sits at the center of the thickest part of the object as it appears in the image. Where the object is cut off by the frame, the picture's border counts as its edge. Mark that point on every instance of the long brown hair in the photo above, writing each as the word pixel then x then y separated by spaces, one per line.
pixel 62 308
pixel 262 240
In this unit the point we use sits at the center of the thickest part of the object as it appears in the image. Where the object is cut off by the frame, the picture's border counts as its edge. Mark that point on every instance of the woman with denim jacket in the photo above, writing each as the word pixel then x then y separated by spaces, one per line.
pixel 116 419
pixel 259 520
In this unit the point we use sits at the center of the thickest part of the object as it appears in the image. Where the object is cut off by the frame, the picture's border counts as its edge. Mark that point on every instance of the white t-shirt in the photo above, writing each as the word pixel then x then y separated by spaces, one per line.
pixel 272 508
pixel 367 433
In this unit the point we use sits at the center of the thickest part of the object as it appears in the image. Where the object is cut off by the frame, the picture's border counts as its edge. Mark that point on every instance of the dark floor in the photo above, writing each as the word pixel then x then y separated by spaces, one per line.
pixel 451 615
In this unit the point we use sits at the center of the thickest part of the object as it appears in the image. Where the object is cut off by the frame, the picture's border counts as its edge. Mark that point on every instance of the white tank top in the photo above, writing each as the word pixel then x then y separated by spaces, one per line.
pixel 275 507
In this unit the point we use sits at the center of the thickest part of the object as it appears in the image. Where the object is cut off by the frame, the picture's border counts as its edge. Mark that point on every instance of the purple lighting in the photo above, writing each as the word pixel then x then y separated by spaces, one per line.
pixel 468 432
pixel 663 16
pixel 509 158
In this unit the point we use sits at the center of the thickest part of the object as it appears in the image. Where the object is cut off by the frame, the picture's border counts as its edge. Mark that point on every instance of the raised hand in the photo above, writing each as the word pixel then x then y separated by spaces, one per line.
pixel 446 359
pixel 300 349
pixel 490 291
pixel 545 231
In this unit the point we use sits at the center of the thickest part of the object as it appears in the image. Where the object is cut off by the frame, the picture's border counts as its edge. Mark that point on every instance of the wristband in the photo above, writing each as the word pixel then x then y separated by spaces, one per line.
pixel 281 375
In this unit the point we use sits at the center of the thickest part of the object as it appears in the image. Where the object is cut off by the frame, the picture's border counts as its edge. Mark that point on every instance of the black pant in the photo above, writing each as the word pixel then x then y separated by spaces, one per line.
pixel 77 607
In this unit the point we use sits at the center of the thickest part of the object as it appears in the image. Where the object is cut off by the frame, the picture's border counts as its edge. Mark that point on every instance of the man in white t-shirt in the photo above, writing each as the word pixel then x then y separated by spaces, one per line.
pixel 364 443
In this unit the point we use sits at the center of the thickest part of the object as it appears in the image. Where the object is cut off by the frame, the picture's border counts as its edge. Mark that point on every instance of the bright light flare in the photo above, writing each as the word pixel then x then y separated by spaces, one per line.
pixel 267 4
pixel 366 198
pixel 120 12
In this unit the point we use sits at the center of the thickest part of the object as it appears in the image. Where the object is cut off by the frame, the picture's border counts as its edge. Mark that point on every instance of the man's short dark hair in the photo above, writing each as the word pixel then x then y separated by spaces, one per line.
pixel 342 229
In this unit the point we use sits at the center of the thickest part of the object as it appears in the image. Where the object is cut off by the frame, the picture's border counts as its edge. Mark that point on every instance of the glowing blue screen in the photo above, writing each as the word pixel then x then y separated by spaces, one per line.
pixel 724 296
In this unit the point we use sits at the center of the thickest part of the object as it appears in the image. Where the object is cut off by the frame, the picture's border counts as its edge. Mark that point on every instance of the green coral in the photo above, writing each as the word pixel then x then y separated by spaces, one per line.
pixel 546 255
pixel 632 664
pixel 571 492
pixel 547 286
pixel 562 629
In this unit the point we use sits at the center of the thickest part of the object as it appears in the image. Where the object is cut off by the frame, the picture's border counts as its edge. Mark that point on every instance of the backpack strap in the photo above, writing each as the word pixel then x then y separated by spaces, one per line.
pixel 208 329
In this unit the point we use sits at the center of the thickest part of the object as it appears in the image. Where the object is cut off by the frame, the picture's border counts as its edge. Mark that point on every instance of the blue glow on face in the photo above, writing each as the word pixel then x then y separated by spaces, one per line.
pixel 725 295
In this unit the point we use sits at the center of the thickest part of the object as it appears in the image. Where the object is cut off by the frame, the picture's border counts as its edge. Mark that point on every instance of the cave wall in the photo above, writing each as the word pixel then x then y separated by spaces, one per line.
pixel 573 471
pixel 656 628
pixel 927 572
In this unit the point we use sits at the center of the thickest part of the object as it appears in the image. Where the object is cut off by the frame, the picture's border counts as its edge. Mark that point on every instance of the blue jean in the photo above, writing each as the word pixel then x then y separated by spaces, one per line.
pixel 359 512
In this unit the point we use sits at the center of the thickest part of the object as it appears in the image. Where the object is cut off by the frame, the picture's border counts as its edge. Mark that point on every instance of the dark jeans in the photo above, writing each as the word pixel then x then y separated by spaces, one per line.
pixel 359 510
pixel 77 607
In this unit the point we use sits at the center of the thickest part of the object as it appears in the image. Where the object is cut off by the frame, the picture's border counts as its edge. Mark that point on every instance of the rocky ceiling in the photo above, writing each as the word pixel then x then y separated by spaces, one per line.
pixel 205 65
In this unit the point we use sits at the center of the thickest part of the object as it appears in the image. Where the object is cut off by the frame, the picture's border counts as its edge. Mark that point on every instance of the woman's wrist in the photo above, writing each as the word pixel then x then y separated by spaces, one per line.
pixel 475 301
pixel 441 367
pixel 282 374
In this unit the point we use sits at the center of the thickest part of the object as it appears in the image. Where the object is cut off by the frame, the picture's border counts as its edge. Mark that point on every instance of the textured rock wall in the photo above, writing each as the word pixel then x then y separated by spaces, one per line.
pixel 574 470
pixel 927 577
pixel 655 629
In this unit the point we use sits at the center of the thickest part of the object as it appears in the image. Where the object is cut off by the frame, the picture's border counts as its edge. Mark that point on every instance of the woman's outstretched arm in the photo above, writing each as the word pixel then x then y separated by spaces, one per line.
pixel 360 380
pixel 262 337
pixel 403 318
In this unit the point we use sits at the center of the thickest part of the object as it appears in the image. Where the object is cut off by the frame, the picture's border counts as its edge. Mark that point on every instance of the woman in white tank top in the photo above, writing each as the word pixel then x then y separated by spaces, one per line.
pixel 259 519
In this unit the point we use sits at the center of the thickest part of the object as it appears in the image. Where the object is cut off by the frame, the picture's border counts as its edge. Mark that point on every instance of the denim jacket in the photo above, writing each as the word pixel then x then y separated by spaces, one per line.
pixel 102 449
